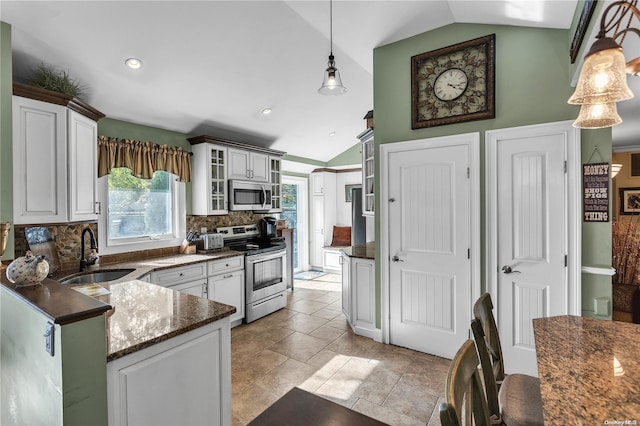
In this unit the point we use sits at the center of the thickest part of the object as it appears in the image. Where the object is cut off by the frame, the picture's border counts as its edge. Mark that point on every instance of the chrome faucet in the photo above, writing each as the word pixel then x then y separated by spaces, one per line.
pixel 94 246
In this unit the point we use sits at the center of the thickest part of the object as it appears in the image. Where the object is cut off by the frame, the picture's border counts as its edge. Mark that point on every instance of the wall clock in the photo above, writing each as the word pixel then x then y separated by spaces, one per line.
pixel 454 84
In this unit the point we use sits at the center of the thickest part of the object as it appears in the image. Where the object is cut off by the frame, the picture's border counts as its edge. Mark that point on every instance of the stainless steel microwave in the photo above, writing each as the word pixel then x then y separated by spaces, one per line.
pixel 246 195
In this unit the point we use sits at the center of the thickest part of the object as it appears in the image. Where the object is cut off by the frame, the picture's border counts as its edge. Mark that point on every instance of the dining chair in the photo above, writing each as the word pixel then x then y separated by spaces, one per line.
pixel 464 394
pixel 512 399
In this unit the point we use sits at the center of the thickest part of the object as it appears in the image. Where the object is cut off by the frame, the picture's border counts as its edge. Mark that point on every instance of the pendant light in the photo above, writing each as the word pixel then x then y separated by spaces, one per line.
pixel 332 83
pixel 603 78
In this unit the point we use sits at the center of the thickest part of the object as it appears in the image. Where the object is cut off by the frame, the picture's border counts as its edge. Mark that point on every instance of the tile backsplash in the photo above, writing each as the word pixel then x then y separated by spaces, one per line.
pixel 67 238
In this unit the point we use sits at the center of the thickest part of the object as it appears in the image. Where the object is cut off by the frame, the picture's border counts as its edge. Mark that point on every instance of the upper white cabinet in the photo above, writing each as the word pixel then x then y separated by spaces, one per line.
pixel 216 161
pixel 317 183
pixel 368 199
pixel 54 157
pixel 248 165
pixel 209 179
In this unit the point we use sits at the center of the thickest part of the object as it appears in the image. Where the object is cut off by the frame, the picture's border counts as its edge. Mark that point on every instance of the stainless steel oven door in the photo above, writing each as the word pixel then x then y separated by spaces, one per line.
pixel 265 274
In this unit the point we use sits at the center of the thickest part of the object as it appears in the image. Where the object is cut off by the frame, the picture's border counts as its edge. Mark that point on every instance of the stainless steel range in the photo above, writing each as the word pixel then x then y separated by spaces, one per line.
pixel 265 284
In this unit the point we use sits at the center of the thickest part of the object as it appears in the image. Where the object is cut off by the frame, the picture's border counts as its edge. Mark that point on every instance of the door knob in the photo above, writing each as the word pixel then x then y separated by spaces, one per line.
pixel 507 270
pixel 396 259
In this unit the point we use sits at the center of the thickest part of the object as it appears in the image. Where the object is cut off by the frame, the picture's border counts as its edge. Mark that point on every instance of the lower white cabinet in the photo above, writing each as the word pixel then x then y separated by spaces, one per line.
pixel 185 380
pixel 331 260
pixel 180 274
pixel 197 288
pixel 358 295
pixel 229 289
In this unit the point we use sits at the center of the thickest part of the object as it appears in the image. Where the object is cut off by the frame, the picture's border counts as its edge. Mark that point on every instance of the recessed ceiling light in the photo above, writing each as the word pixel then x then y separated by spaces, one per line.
pixel 266 111
pixel 332 134
pixel 133 63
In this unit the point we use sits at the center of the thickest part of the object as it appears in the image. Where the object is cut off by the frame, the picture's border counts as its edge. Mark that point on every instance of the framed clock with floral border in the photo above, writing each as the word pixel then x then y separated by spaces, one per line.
pixel 454 84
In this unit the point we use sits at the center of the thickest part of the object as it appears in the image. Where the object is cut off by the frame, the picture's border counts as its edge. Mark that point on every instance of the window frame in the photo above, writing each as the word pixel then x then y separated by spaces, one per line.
pixel 124 245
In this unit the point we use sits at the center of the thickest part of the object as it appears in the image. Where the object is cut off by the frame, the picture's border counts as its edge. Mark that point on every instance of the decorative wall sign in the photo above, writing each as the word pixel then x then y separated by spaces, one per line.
pixel 581 29
pixel 629 200
pixel 348 193
pixel 595 181
pixel 454 84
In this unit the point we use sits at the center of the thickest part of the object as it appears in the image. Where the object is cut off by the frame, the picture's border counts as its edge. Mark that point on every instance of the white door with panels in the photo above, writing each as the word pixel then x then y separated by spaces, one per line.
pixel 430 205
pixel 528 188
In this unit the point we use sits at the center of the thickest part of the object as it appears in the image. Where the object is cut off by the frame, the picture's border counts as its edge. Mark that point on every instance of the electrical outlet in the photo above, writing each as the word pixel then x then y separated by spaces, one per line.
pixel 49 338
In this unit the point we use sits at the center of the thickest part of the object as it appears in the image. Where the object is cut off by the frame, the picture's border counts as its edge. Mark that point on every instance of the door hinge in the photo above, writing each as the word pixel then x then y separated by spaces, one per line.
pixel 468 253
pixel 468 173
pixel 565 167
pixel 566 260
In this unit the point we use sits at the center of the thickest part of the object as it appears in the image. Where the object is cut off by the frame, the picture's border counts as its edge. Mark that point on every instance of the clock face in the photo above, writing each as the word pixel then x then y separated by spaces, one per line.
pixel 453 84
pixel 450 84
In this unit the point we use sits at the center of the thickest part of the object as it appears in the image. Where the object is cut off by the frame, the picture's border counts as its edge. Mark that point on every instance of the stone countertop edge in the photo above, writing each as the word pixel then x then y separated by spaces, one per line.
pixel 361 251
pixel 145 314
pixel 60 303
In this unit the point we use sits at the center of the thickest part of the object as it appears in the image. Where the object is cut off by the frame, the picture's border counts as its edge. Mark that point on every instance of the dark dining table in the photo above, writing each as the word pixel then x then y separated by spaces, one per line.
pixel 589 370
pixel 301 408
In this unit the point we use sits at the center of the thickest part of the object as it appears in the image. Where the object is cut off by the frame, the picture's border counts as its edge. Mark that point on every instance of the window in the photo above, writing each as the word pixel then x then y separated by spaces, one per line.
pixel 141 214
pixel 294 211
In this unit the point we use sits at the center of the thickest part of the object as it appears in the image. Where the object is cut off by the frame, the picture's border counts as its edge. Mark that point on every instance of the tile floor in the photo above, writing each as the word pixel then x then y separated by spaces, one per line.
pixel 309 344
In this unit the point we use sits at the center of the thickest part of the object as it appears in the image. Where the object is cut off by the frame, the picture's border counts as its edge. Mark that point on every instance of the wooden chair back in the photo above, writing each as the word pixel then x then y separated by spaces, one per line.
pixel 490 386
pixel 483 313
pixel 465 398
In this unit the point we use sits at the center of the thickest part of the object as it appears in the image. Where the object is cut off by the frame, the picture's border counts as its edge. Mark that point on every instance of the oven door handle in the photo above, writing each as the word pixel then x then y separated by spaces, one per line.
pixel 261 257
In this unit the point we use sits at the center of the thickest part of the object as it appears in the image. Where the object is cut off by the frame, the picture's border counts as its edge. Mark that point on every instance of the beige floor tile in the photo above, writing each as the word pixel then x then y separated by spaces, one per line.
pixel 306 306
pixel 384 414
pixel 303 323
pixel 412 402
pixel 316 350
pixel 327 333
pixel 299 346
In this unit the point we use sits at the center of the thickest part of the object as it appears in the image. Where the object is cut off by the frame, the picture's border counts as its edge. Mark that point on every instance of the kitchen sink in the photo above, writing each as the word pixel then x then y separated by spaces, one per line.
pixel 97 276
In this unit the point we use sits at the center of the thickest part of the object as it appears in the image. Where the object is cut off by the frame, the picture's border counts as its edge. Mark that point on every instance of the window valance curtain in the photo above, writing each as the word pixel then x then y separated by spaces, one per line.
pixel 142 158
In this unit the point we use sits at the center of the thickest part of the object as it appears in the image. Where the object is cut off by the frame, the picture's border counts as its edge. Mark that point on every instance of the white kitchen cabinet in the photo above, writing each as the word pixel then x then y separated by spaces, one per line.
pixel 363 293
pixel 358 295
pixel 229 289
pixel 331 259
pixel 345 262
pixel 368 177
pixel 226 284
pixel 275 178
pixel 54 163
pixel 209 180
pixel 248 165
pixel 181 274
pixel 185 380
pixel 323 215
pixel 197 288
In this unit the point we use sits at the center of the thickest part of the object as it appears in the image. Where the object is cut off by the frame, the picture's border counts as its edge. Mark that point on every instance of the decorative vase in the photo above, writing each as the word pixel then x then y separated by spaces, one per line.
pixel 28 270
pixel 4 236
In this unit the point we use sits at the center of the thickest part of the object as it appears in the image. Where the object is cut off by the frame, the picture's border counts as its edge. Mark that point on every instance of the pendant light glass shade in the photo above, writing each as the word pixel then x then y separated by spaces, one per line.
pixel 596 116
pixel 332 83
pixel 615 169
pixel 603 79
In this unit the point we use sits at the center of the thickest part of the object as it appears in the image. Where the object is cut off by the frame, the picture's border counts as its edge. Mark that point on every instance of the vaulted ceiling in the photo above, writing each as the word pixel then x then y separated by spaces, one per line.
pixel 211 67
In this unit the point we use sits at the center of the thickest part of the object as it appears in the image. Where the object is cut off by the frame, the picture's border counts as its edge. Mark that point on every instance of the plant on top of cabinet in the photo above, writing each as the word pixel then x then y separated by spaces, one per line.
pixel 47 77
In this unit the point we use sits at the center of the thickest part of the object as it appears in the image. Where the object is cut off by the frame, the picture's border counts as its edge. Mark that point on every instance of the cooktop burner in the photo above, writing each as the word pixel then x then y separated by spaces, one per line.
pixel 246 238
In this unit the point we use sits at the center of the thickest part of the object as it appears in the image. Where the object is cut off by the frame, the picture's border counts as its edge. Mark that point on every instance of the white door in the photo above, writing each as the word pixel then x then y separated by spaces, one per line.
pixel 429 243
pixel 317 231
pixel 531 232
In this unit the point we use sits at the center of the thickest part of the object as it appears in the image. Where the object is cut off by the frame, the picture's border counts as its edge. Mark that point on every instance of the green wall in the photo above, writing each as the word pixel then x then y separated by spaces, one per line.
pixel 6 140
pixel 351 156
pixel 533 83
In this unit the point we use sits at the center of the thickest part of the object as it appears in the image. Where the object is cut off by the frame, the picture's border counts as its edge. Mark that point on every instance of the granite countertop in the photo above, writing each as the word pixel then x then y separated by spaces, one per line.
pixel 145 266
pixel 139 314
pixel 144 314
pixel 362 251
pixel 588 370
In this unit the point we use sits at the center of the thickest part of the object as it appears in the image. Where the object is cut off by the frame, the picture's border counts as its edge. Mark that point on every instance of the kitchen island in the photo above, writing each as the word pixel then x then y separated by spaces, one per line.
pixel 168 354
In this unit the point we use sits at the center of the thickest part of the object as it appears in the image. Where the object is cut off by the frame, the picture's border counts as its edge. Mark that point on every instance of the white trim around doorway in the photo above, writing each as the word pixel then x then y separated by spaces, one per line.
pixel 472 140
